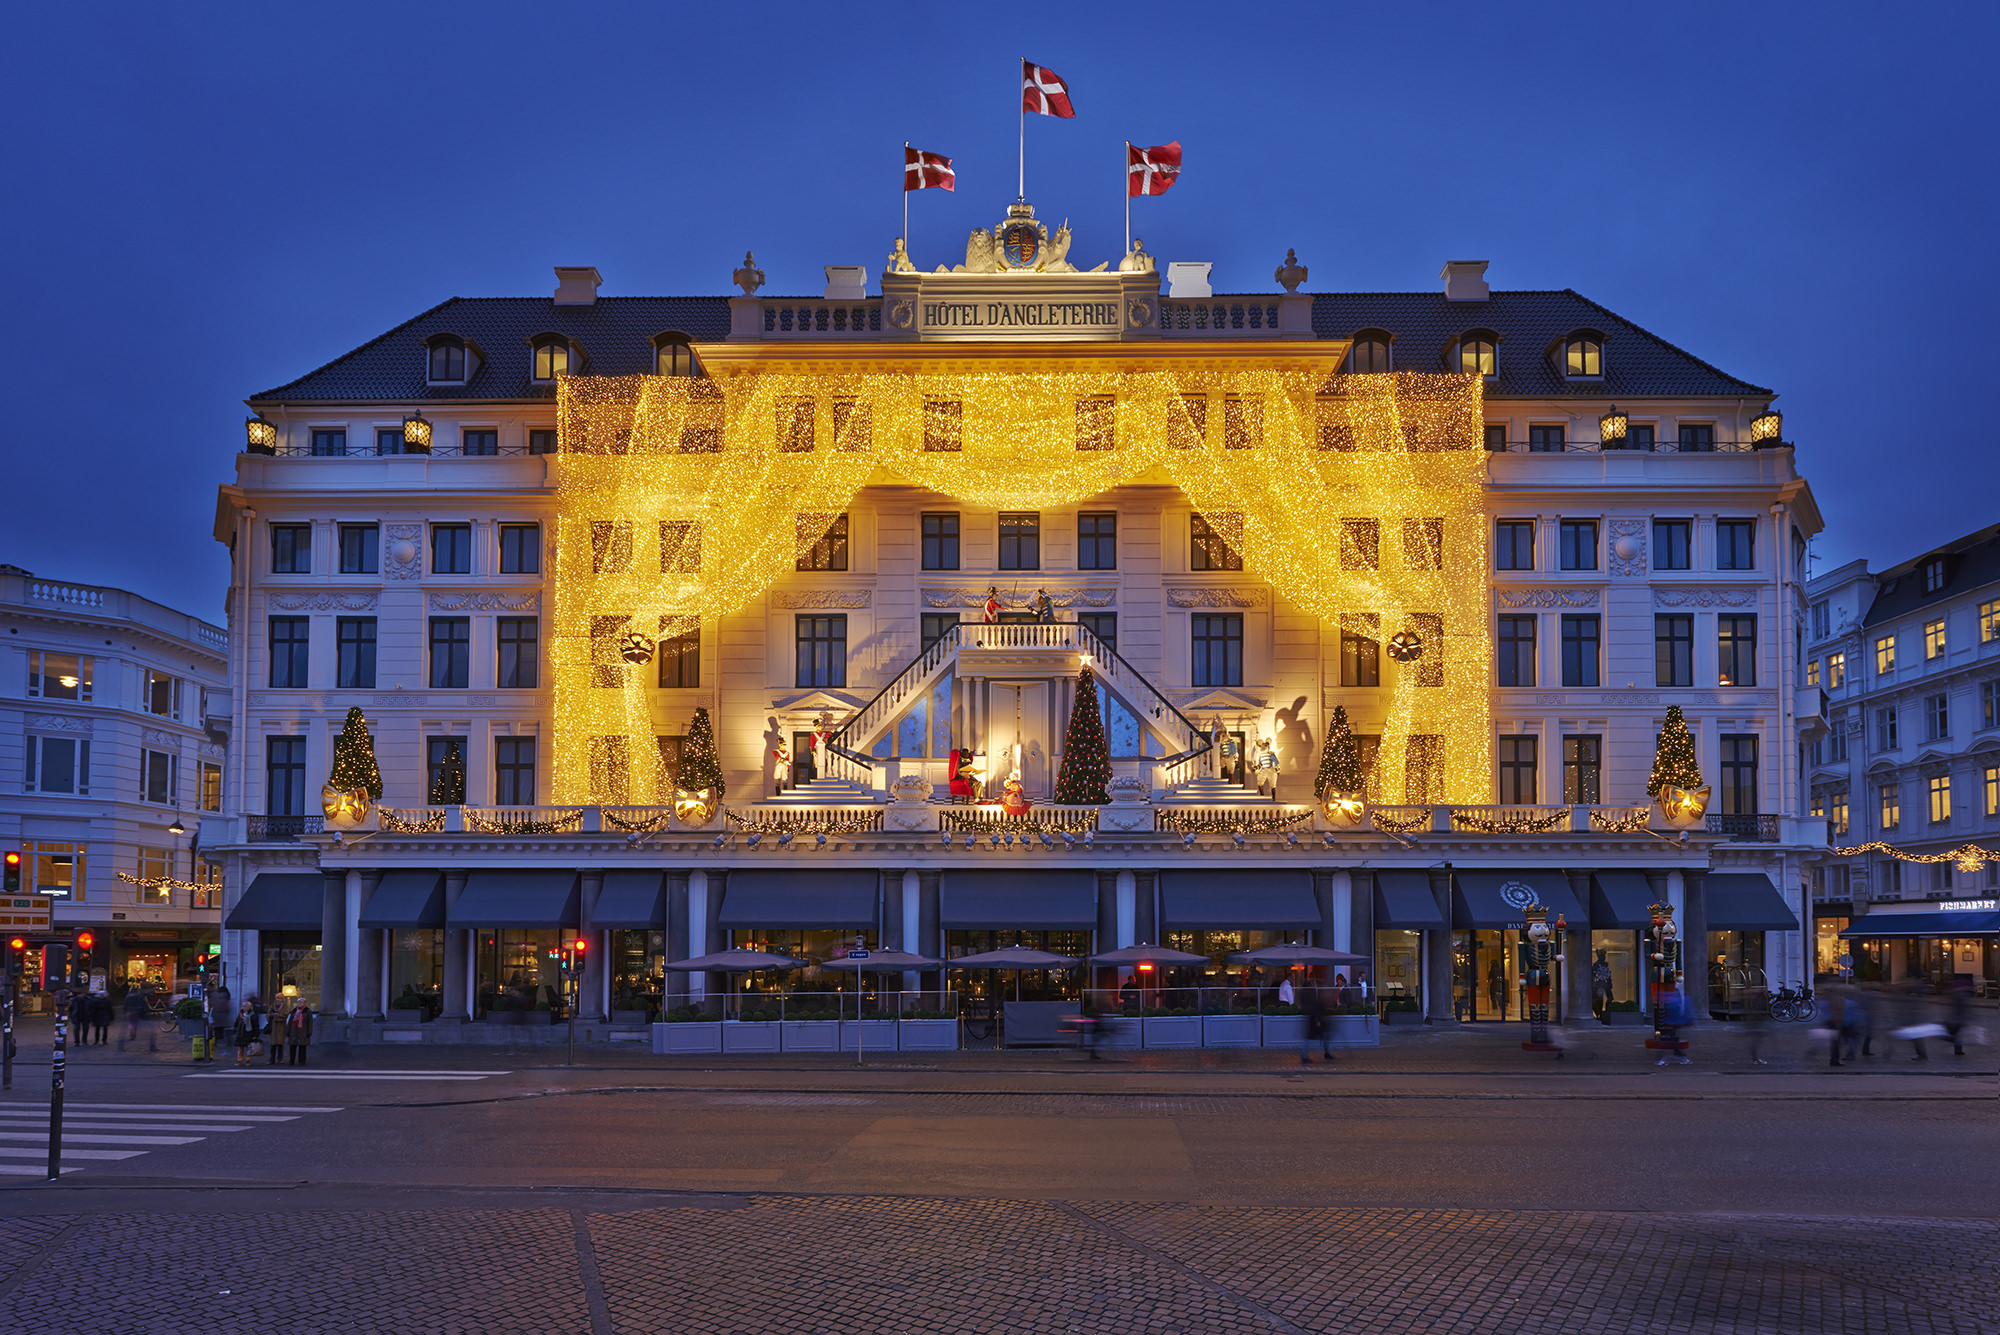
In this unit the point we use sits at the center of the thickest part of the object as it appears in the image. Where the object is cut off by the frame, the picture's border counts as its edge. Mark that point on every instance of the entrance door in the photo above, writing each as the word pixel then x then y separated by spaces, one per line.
pixel 803 756
pixel 1486 982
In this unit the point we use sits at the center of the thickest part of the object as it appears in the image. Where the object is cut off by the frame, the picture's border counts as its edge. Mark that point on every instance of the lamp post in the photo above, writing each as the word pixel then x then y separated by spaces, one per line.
pixel 1767 429
pixel 416 434
pixel 1611 429
pixel 260 435
pixel 1538 952
pixel 1666 959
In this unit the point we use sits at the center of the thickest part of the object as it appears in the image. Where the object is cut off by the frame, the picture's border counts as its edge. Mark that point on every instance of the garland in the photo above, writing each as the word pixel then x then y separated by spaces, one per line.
pixel 559 825
pixel 1399 824
pixel 976 820
pixel 166 882
pixel 1167 820
pixel 1967 857
pixel 652 824
pixel 851 825
pixel 1602 821
pixel 1465 820
pixel 395 824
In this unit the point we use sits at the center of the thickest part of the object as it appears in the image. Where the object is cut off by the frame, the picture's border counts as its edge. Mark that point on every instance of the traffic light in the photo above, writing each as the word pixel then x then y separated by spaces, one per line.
pixel 10 881
pixel 85 941
pixel 17 956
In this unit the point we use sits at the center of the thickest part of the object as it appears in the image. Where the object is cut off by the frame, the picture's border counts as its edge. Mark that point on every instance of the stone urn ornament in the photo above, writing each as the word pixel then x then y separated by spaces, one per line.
pixel 749 277
pixel 1291 273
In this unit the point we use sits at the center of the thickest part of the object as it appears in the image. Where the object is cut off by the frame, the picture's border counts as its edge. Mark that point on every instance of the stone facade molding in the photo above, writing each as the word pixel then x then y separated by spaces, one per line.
pixel 403 551
pixel 1548 597
pixel 1060 596
pixel 1627 547
pixel 69 723
pixel 323 602
pixel 159 737
pixel 528 601
pixel 1213 595
pixel 812 598
pixel 1704 597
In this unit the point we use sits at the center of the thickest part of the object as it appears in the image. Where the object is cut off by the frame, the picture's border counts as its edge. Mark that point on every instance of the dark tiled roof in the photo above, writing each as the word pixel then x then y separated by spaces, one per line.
pixel 616 335
pixel 1971 562
pixel 1637 364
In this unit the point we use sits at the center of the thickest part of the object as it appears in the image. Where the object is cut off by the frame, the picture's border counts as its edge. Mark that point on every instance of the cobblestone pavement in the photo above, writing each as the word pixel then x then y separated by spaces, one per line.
pixel 890 1265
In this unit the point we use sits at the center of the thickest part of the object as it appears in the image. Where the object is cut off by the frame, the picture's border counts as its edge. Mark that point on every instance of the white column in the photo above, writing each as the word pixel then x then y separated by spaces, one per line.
pixel 1128 909
pixel 351 953
pixel 1677 896
pixel 602 946
pixel 1343 911
pixel 697 931
pixel 382 975
pixel 912 897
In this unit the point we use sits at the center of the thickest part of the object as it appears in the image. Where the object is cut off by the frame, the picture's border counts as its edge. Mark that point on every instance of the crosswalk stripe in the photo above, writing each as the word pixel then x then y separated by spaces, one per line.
pixel 96 1124
pixel 27 1170
pixel 136 1109
pixel 194 1111
pixel 42 1152
pixel 326 1075
pixel 94 1139
pixel 341 1070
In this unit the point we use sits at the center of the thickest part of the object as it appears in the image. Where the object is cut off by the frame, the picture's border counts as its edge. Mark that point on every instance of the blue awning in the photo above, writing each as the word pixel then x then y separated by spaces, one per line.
pixel 406 899
pixel 1238 900
pixel 1746 902
pixel 1404 899
pixel 543 897
pixel 1497 898
pixel 281 901
pixel 1620 899
pixel 1025 900
pixel 632 899
pixel 1903 925
pixel 799 900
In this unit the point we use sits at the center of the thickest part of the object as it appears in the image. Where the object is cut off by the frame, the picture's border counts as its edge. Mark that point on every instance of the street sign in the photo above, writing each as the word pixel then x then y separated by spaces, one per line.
pixel 857 954
pixel 24 913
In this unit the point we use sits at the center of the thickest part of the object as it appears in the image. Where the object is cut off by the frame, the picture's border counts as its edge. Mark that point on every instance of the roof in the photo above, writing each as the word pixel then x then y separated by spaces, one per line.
pixel 1970 562
pixel 616 335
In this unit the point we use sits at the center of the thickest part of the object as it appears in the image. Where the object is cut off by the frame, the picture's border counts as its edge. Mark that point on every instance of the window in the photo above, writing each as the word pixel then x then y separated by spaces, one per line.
pixel 1423 767
pixel 680 546
pixel 610 547
pixel 1360 544
pixel 1578 544
pixel 1989 621
pixel 792 427
pixel 679 652
pixel 1934 574
pixel 944 429
pixel 519 641
pixel 1188 428
pixel 703 432
pixel 1020 540
pixel 1937 719
pixel 440 753
pixel 673 356
pixel 1940 795
pixel 829 550
pixel 447 361
pixel 1097 540
pixel 520 549
pixel 59 676
pixel 1518 756
pixel 1991 784
pixel 1934 638
pixel 1583 358
pixel 1697 438
pixel 1836 811
pixel 451 549
pixel 58 765
pixel 288 651
pixel 1673 650
pixel 1516 651
pixel 1812 672
pixel 1217 655
pixel 159 776
pixel 207 884
pixel 1735 544
pixel 1671 545
pixel 285 776
pixel 1885 729
pixel 1430 628
pixel 1989 704
pixel 1242 421
pixel 1739 774
pixel 1514 544
pixel 451 652
pixel 1368 355
pixel 479 441
pixel 514 771
pixel 1836 671
pixel 1423 544
pixel 55 870
pixel 163 694
pixel 1360 650
pixel 1476 356
pixel 1583 765
pixel 1580 650
pixel 1639 436
pixel 1836 742
pixel 1885 655
pixel 822 650
pixel 358 544
pixel 1494 435
pixel 1890 806
pixel 1736 650
pixel 1097 423
pixel 208 795
pixel 551 359
pixel 355 639
pixel 1545 440
pixel 671 748
pixel 542 441
pixel 155 864
pixel 940 536
pixel 1820 619
pixel 329 443
pixel 607 659
pixel 1208 549
pixel 1892 879
pixel 1104 625
pixel 935 626
pixel 388 440
pixel 291 549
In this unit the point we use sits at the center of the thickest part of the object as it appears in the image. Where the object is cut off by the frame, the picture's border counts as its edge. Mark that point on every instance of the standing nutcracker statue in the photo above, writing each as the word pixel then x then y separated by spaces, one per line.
pixel 1538 954
pixel 1669 1005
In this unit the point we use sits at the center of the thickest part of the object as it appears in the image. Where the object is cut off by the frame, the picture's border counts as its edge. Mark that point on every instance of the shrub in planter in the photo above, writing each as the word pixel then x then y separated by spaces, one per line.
pixel 1397 1004
pixel 187 1009
pixel 1631 1006
pixel 684 1015
pixel 1281 1008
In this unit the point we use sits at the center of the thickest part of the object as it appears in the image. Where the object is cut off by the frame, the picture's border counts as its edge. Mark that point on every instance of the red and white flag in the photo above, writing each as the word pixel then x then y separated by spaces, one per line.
pixel 1151 171
pixel 927 171
pixel 1043 93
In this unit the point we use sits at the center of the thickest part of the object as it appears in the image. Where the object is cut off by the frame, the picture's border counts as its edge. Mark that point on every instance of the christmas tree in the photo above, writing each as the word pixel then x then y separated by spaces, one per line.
pixel 448 788
pixel 354 757
pixel 1086 762
pixel 701 767
pixel 1673 756
pixel 1339 759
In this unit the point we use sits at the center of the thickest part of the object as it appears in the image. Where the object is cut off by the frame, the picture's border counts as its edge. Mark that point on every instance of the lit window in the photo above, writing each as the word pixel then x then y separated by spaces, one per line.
pixel 1940 789
pixel 1736 650
pixel 1891 806
pixel 1992 784
pixel 1583 357
pixel 209 798
pixel 551 359
pixel 163 694
pixel 154 864
pixel 1989 621
pixel 1836 811
pixel 1885 655
pixel 447 361
pixel 1934 638
pixel 1476 355
pixel 1836 671
pixel 55 870
pixel 1812 672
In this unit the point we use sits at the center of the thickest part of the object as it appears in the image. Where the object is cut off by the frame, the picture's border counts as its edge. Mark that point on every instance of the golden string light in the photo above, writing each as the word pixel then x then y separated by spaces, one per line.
pixel 801 825
pixel 1605 820
pixel 681 501
pixel 1180 824
pixel 569 820
pixel 1477 824
pixel 1967 858
pixel 163 882
pixel 393 822
pixel 1388 824
pixel 651 823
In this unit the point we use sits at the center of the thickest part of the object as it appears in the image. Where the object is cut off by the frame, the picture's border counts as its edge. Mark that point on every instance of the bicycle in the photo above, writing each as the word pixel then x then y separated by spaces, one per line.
pixel 1790 1005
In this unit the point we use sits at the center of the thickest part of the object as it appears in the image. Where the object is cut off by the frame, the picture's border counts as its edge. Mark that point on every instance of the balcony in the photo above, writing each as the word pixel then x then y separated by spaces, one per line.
pixel 1758 829
pixel 820 318
pixel 1809 707
pixel 1659 447
pixel 282 829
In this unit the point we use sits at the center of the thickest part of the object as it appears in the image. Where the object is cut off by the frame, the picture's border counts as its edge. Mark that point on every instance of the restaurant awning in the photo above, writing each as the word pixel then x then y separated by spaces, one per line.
pixel 406 899
pixel 542 897
pixel 280 901
pixel 1023 900
pixel 632 899
pixel 1904 925
pixel 800 900
pixel 1233 900
pixel 1404 899
pixel 1620 899
pixel 1746 902
pixel 1496 898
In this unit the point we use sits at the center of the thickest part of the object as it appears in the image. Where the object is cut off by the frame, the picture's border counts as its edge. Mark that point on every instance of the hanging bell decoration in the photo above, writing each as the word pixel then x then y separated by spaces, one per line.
pixel 636 648
pixel 1406 646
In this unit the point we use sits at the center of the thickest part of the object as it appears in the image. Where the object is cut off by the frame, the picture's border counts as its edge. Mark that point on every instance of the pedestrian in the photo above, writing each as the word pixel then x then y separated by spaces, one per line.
pixel 1756 1015
pixel 1314 1009
pixel 1600 988
pixel 1916 1018
pixel 1673 1014
pixel 298 1032
pixel 101 1015
pixel 274 1032
pixel 138 1013
pixel 79 1019
pixel 1958 1011
pixel 221 1016
pixel 244 1032
pixel 1286 996
pixel 1840 1019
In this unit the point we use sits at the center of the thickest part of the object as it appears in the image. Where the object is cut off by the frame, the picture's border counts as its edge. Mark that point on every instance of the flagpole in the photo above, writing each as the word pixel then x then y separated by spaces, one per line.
pixel 906 195
pixel 1023 186
pixel 1128 196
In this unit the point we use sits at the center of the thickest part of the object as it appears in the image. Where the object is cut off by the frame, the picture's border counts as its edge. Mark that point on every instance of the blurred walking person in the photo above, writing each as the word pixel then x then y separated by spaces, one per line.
pixel 1313 1006
pixel 138 1013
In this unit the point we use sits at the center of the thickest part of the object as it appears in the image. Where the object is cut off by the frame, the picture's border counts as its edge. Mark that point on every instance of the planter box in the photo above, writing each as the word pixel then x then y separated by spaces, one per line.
pixel 630 1017
pixel 1284 1031
pixel 507 1017
pixel 398 1019
pixel 927 1035
pixel 1170 1031
pixel 809 1036
pixel 1353 1031
pixel 1402 1017
pixel 695 1036
pixel 749 1035
pixel 1632 1018
pixel 1232 1031
pixel 874 1035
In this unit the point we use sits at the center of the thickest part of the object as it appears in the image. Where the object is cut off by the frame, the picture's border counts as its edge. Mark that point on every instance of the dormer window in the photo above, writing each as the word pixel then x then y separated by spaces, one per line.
pixel 447 361
pixel 673 355
pixel 1934 574
pixel 1369 354
pixel 1583 355
pixel 551 358
pixel 1476 353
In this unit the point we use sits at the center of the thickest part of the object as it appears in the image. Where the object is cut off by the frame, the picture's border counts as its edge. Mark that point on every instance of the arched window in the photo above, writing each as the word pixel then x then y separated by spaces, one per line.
pixel 447 361
pixel 673 356
pixel 1370 353
pixel 551 358
pixel 1583 355
pixel 1477 355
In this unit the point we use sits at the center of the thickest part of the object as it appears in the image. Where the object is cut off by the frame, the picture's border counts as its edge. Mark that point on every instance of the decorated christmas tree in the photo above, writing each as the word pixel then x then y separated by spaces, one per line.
pixel 1339 759
pixel 354 757
pixel 701 767
pixel 1086 762
pixel 448 788
pixel 1673 756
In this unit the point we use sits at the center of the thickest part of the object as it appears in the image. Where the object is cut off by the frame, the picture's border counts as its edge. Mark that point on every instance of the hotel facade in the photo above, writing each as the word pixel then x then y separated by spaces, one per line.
pixel 874 536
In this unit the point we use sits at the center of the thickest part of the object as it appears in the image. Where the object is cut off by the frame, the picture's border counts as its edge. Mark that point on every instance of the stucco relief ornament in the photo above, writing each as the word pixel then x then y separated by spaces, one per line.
pixel 749 277
pixel 902 314
pixel 1291 273
pixel 1022 244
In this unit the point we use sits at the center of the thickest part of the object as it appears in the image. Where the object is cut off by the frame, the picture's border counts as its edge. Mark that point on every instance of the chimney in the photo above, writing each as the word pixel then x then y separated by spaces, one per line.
pixel 846 282
pixel 1189 278
pixel 1464 280
pixel 577 286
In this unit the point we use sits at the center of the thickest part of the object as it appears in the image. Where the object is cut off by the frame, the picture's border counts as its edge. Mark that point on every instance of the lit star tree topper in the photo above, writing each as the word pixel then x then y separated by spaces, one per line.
pixel 354 758
pixel 1086 762
pixel 1674 762
pixel 1339 759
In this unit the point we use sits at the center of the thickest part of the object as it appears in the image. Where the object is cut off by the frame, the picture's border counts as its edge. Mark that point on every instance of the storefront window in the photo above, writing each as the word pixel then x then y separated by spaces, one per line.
pixel 1486 975
pixel 1024 984
pixel 416 968
pixel 799 944
pixel 1614 973
pixel 289 967
pixel 520 969
pixel 1399 970
pixel 638 969
pixel 1827 945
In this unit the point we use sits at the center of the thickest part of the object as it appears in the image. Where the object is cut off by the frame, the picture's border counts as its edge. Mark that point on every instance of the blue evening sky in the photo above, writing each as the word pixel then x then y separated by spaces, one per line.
pixel 208 200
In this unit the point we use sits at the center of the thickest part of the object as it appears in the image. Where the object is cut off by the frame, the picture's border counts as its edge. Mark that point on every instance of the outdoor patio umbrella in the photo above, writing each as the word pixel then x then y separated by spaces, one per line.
pixel 735 961
pixel 1017 959
pixel 1147 955
pixel 883 961
pixel 1286 956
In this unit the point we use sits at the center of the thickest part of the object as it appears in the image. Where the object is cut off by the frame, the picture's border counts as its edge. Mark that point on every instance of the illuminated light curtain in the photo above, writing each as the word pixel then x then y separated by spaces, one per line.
pixel 745 464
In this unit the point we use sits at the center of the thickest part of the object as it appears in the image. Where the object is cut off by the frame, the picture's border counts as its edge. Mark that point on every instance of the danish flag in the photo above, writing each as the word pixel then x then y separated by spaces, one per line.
pixel 1043 92
pixel 925 171
pixel 1152 171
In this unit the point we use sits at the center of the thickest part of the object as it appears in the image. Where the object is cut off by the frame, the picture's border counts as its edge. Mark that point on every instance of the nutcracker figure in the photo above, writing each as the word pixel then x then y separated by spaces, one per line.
pixel 989 611
pixel 1538 954
pixel 1669 1002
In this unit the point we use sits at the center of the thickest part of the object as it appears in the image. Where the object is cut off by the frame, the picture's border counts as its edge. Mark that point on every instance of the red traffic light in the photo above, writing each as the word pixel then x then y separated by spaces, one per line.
pixel 18 943
pixel 577 945
pixel 13 857
pixel 85 940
